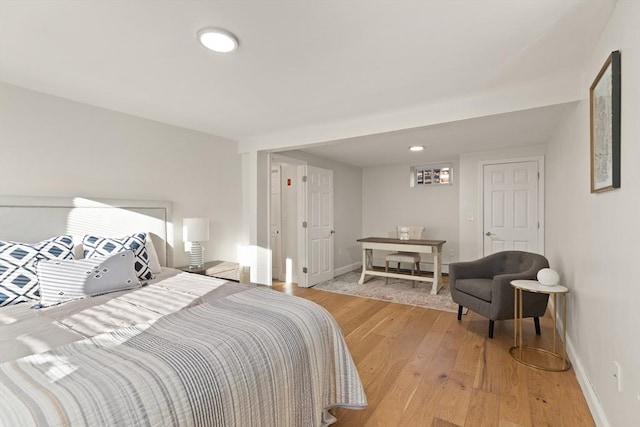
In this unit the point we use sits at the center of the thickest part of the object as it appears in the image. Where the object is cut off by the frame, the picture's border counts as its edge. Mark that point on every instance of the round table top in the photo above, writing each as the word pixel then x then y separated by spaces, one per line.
pixel 535 286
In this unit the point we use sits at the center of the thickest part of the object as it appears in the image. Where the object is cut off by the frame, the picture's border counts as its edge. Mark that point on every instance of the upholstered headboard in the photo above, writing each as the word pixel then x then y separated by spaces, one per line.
pixel 32 219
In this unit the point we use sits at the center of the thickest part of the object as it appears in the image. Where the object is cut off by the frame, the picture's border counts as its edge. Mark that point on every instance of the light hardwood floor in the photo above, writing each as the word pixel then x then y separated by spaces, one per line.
pixel 425 368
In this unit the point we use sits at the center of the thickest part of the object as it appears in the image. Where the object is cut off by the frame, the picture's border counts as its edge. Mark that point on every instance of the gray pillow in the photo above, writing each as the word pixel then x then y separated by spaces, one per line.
pixel 95 246
pixel 65 280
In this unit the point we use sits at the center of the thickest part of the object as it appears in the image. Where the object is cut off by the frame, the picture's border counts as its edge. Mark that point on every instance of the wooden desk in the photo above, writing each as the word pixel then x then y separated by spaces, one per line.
pixel 388 244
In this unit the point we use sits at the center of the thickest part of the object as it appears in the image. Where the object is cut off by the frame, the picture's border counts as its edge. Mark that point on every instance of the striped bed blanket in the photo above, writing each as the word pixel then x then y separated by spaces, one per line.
pixel 254 358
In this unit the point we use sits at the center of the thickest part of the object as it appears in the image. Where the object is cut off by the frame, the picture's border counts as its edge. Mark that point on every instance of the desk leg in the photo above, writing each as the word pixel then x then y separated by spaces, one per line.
pixel 437 271
pixel 367 264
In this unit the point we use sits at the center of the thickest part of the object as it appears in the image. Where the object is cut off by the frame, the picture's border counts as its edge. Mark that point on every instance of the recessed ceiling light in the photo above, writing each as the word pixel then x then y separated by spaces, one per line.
pixel 416 148
pixel 218 40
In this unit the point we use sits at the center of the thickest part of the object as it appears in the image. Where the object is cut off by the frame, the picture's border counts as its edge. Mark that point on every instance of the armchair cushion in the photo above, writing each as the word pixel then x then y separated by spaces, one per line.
pixel 479 288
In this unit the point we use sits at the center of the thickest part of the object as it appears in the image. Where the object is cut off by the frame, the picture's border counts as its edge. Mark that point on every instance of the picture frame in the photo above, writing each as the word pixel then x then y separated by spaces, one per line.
pixel 604 102
pixel 431 175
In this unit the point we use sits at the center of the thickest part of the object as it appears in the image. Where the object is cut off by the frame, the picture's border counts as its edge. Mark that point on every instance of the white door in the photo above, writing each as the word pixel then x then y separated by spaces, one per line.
pixel 276 239
pixel 319 230
pixel 510 207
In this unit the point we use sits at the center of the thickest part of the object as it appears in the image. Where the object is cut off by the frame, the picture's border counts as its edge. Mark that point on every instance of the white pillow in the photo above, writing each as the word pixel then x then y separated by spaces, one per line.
pixel 18 277
pixel 65 280
pixel 154 262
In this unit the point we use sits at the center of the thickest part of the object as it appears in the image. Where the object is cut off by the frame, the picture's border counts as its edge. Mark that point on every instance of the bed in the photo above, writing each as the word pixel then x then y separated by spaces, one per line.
pixel 182 350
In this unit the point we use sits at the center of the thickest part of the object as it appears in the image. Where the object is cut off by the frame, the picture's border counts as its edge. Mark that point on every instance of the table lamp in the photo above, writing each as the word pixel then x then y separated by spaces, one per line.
pixel 195 231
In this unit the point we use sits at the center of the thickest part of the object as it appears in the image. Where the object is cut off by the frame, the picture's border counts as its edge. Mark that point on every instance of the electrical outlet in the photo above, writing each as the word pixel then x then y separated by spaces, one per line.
pixel 452 254
pixel 617 374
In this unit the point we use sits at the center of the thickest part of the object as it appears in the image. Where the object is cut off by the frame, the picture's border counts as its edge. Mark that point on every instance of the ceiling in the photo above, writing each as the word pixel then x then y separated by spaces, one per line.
pixel 446 141
pixel 300 63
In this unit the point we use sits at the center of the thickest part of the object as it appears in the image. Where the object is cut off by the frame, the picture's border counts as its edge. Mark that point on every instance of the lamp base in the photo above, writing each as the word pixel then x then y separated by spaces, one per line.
pixel 196 255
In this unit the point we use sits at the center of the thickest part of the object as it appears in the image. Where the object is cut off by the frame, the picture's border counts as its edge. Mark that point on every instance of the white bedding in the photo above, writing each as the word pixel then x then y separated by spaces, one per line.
pixel 184 350
pixel 25 331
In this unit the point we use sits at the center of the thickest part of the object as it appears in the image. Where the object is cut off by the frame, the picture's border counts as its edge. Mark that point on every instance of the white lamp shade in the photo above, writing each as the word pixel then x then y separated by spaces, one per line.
pixel 195 229
pixel 548 277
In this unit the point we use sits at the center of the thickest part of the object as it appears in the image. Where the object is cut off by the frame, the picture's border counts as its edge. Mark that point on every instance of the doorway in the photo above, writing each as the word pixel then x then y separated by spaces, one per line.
pixel 513 206
pixel 301 221
pixel 286 197
pixel 277 270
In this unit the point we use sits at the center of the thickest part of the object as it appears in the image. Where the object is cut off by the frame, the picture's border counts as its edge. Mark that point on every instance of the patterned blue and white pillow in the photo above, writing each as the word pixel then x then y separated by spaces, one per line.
pixel 95 246
pixel 66 280
pixel 18 277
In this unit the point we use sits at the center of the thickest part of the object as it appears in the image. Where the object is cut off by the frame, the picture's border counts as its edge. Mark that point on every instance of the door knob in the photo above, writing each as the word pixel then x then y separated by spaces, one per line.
pixel 488 233
pixel 333 231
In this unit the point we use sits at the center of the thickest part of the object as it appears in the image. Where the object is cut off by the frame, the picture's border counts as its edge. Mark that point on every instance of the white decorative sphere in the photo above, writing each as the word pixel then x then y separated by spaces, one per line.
pixel 548 277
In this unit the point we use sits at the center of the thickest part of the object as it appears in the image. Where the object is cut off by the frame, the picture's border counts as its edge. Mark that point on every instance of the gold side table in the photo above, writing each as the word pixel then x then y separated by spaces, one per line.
pixel 533 356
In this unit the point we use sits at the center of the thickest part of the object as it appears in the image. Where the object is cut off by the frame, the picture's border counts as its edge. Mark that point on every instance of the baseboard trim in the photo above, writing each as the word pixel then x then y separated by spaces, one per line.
pixel 583 379
pixel 347 268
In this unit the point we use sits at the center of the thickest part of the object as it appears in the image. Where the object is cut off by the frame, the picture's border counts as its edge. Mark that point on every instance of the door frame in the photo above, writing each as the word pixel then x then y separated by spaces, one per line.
pixel 480 206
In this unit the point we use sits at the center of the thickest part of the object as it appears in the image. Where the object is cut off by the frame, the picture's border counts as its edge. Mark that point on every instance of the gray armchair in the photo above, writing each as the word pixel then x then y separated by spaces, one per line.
pixel 484 286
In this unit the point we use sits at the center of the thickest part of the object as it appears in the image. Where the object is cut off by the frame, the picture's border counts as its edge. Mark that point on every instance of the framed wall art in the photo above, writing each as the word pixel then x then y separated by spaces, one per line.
pixel 431 175
pixel 604 97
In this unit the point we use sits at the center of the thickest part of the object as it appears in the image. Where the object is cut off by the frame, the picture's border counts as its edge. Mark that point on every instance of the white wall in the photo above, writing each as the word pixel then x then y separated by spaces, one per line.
pixel 388 201
pixel 51 146
pixel 594 239
pixel 470 195
pixel 347 202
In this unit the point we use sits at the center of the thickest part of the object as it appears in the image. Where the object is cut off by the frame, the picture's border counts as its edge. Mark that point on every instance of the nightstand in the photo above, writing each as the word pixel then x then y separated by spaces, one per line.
pixel 220 269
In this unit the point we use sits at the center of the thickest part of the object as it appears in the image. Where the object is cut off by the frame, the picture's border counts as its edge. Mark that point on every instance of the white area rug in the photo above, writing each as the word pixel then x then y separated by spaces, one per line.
pixel 398 291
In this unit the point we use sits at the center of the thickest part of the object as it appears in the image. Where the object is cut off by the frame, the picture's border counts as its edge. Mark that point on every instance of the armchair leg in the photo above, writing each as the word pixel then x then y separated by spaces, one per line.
pixel 491 329
pixel 536 322
pixel 460 312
